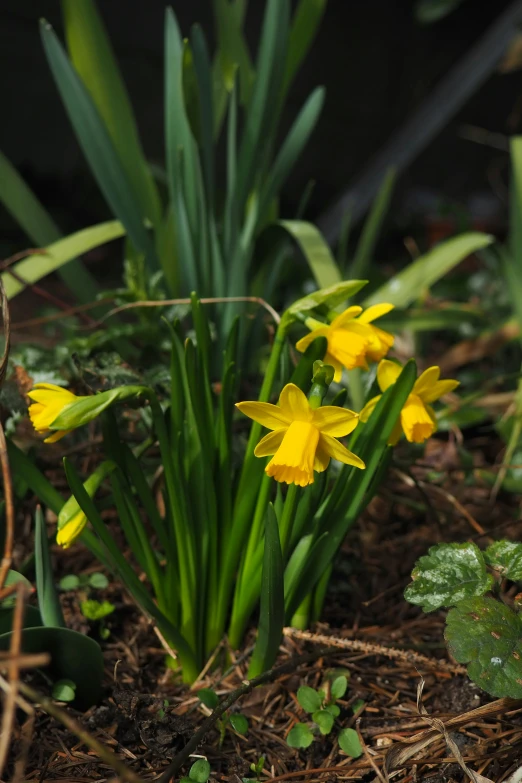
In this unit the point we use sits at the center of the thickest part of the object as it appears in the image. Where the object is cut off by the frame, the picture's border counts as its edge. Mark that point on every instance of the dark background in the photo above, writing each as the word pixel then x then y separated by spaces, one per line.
pixel 376 61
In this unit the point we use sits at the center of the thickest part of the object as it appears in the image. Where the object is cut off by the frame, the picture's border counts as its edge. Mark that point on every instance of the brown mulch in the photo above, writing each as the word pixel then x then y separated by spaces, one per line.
pixel 147 716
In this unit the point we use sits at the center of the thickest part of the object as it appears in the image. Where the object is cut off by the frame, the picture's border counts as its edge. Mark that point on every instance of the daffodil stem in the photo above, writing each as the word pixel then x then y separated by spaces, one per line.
pixel 246 523
pixel 356 388
pixel 287 517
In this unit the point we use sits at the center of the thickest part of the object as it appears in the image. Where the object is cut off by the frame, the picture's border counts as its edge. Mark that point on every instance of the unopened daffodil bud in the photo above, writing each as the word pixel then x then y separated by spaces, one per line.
pixel 56 411
pixel 71 519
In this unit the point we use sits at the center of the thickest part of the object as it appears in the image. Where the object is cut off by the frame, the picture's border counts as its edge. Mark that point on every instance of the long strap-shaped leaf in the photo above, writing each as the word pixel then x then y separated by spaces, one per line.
pixel 39 226
pixel 48 601
pixel 92 56
pixel 272 607
pixel 334 523
pixel 59 253
pixel 97 146
pixel 405 287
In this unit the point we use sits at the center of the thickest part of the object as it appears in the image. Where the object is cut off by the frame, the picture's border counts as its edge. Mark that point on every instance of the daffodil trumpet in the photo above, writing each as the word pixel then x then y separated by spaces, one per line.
pixel 417 418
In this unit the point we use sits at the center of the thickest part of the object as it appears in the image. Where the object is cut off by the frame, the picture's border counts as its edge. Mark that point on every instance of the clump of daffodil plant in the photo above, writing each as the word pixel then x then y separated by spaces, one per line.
pixel 232 535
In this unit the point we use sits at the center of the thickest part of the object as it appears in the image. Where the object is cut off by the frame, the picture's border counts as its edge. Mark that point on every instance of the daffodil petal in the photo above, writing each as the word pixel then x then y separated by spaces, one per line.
pixel 58 435
pixel 375 311
pixel 368 409
pixel 58 395
pixel 347 315
pixel 438 390
pixel 322 458
pixel 50 387
pixel 294 403
pixel 387 373
pixel 338 367
pixel 71 530
pixel 335 421
pixel 426 381
pixel 339 452
pixel 270 416
pixel 302 344
pixel 268 445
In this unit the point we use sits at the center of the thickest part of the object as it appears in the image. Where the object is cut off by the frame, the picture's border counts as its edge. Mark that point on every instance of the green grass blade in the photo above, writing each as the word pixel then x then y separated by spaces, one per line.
pixel 233 51
pixel 97 146
pixel 337 517
pixel 512 261
pixel 22 465
pixel 305 23
pixel 291 149
pixel 262 118
pixel 206 108
pixel 372 227
pixel 48 601
pixel 29 213
pixel 406 286
pixel 92 56
pixel 57 254
pixel 272 609
pixel 314 248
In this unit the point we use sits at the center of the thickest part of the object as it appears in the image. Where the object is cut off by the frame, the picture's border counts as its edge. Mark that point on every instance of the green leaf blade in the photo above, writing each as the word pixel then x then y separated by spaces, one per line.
pixel 506 558
pixel 487 635
pixel 448 574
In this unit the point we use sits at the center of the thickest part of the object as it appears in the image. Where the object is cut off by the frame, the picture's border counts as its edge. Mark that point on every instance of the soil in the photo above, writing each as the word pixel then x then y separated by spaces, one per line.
pixel 146 716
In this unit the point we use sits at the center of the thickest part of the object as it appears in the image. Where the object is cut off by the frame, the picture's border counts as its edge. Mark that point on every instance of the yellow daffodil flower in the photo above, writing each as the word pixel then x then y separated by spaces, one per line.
pixel 417 419
pixel 71 530
pixel 303 439
pixel 49 402
pixel 352 338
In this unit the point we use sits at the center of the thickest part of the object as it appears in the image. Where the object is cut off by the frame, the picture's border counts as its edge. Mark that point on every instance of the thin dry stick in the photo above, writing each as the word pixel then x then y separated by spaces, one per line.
pixel 247 686
pixel 212 300
pixel 76 310
pixel 13 673
pixel 367 754
pixel 104 753
pixel 9 510
pixel 376 649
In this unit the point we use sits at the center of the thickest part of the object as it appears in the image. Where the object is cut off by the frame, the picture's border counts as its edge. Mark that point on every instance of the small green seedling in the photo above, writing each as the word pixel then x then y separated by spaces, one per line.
pixel 96 611
pixel 64 690
pixel 234 720
pixel 199 772
pixel 256 768
pixel 96 581
pixel 321 705
pixel 161 712
pixel 482 631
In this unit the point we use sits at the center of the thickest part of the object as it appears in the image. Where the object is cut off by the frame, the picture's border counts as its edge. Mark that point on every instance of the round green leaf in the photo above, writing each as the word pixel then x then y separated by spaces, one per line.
pixel 12 578
pixel 324 719
pixel 338 688
pixel 487 635
pixel 208 698
pixel 239 723
pixel 349 742
pixel 64 690
pixel 98 581
pixel 69 582
pixel 333 709
pixel 309 699
pixel 96 610
pixel 32 618
pixel 200 771
pixel 300 736
pixel 506 558
pixel 448 574
pixel 74 656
